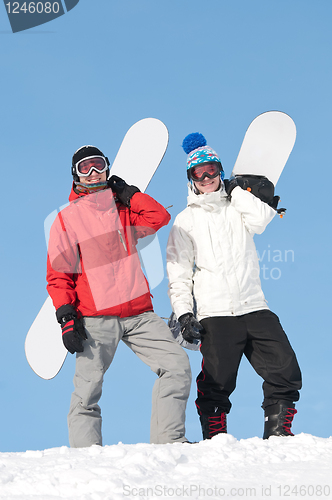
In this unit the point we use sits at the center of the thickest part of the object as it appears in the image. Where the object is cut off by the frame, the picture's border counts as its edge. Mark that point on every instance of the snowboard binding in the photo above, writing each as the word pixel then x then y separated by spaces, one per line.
pixel 261 187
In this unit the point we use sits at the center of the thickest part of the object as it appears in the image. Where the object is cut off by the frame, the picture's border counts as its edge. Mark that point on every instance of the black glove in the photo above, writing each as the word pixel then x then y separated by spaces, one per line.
pixel 274 202
pixel 73 332
pixel 230 184
pixel 122 190
pixel 190 328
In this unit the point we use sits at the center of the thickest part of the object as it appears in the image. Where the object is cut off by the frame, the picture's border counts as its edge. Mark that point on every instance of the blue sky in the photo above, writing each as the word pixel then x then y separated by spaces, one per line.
pixel 211 67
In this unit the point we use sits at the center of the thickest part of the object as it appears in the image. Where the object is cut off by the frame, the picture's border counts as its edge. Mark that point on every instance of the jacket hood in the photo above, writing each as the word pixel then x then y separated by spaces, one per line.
pixel 73 195
pixel 208 201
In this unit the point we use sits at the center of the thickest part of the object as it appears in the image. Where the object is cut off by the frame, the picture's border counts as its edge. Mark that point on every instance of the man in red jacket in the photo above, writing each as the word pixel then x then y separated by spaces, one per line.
pixel 101 296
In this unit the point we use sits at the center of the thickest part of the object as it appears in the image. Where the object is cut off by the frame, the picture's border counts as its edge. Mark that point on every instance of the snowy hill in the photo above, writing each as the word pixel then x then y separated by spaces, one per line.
pixel 298 467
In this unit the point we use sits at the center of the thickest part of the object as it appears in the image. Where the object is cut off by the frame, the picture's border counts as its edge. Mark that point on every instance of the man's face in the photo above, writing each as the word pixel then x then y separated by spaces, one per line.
pixel 95 176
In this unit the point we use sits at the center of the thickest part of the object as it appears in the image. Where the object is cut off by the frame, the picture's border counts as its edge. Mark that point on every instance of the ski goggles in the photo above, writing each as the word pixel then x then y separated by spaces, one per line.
pixel 83 168
pixel 210 170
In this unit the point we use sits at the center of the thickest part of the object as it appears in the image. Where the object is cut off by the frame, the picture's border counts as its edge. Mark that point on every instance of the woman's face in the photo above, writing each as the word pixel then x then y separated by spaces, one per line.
pixel 208 185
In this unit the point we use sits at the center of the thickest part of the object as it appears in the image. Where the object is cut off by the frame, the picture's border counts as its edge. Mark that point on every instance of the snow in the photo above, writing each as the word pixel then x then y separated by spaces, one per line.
pixel 289 467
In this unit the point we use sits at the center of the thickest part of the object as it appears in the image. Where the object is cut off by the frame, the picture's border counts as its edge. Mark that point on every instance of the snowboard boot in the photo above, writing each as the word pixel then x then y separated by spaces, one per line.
pixel 278 419
pixel 213 424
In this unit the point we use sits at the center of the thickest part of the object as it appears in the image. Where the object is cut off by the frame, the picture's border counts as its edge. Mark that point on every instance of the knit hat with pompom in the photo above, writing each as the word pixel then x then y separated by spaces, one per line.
pixel 198 151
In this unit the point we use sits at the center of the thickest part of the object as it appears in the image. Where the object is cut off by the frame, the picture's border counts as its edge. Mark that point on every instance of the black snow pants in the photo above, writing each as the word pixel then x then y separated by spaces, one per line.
pixel 260 337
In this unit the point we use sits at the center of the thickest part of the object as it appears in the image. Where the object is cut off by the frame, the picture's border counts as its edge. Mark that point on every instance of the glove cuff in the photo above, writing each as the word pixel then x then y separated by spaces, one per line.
pixel 230 184
pixel 127 195
pixel 65 310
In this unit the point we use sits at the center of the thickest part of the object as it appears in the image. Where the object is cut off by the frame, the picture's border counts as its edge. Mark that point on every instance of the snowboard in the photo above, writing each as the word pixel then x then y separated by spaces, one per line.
pixel 265 149
pixel 266 146
pixel 139 156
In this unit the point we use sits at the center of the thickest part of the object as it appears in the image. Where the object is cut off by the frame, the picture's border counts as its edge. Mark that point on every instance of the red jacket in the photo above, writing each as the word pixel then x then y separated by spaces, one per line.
pixel 92 259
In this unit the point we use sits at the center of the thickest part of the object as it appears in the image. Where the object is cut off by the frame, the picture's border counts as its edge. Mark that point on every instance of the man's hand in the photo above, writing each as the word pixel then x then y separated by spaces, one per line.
pixel 73 332
pixel 122 190
pixel 190 328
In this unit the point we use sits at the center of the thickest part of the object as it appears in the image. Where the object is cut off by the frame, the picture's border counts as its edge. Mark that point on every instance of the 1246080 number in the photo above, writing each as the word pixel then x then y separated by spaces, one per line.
pixel 33 8
pixel 304 490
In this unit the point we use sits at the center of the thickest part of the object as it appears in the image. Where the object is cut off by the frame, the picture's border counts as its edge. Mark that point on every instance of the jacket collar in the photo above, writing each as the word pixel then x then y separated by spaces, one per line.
pixel 210 202
pixel 102 200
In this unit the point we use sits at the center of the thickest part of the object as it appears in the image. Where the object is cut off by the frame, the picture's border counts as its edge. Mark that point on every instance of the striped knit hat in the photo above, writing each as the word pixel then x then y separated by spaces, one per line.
pixel 198 151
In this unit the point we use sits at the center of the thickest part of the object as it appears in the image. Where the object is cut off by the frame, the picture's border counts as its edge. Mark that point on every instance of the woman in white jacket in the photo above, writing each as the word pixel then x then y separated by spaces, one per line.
pixel 211 256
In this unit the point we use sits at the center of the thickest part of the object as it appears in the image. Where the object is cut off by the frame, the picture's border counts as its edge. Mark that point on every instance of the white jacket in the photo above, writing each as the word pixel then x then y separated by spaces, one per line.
pixel 211 254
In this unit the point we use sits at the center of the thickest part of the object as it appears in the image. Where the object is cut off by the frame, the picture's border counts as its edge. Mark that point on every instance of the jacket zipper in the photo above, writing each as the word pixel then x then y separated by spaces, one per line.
pixel 122 240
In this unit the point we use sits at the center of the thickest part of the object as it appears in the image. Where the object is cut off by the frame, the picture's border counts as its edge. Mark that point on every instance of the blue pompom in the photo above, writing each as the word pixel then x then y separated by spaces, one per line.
pixel 193 141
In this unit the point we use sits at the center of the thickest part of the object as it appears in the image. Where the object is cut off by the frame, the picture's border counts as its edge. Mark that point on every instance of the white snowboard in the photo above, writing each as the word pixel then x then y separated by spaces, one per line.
pixel 266 146
pixel 140 153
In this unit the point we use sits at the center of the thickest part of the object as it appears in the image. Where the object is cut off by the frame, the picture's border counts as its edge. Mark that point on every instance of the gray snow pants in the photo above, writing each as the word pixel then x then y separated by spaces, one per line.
pixel 148 337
